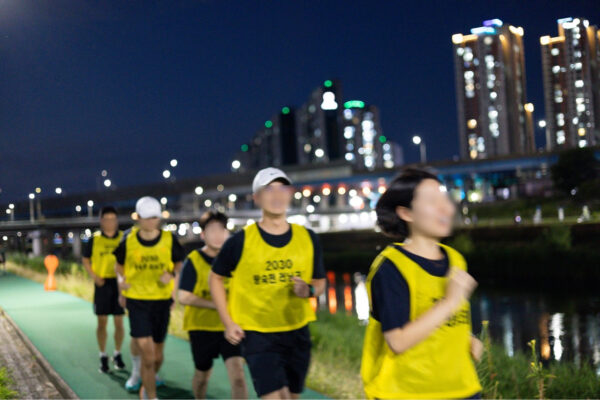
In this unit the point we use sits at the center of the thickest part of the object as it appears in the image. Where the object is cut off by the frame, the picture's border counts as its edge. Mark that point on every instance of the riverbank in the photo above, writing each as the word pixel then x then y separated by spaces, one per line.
pixel 337 348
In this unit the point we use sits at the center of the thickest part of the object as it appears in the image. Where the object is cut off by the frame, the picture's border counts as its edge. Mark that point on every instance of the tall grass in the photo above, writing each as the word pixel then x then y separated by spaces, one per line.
pixel 6 384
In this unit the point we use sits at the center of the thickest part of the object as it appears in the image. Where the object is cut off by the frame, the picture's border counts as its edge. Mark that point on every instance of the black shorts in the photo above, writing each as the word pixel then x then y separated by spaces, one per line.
pixel 207 345
pixel 149 318
pixel 277 359
pixel 106 298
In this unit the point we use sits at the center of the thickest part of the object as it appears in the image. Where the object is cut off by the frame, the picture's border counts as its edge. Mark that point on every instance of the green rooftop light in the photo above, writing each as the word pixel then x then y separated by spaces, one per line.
pixel 285 110
pixel 382 139
pixel 354 104
pixel 244 147
pixel 268 124
pixel 328 83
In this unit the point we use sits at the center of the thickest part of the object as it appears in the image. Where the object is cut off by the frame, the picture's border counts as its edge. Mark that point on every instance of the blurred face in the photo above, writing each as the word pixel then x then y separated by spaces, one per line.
pixel 275 198
pixel 149 224
pixel 109 222
pixel 214 235
pixel 431 211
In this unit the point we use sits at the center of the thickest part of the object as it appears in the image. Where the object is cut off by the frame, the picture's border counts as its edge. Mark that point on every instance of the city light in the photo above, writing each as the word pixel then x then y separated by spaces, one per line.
pixel 329 102
pixel 354 104
pixel 173 163
pixel 328 83
pixel 285 110
pixel 166 174
pixel 31 196
pixel 198 190
pixel 268 124
pixel 542 123
pixel 416 140
pixel 107 183
pixel 58 190
pixel 235 164
pixel 90 203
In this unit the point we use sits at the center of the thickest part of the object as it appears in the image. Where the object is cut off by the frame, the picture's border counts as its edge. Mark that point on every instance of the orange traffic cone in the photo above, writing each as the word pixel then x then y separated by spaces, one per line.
pixel 51 263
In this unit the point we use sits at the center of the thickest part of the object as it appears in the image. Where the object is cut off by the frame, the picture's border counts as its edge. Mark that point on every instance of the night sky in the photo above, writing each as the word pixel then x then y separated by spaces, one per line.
pixel 128 85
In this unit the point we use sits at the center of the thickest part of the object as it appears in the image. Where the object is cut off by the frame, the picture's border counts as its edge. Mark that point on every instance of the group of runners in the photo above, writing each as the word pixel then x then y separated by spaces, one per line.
pixel 247 296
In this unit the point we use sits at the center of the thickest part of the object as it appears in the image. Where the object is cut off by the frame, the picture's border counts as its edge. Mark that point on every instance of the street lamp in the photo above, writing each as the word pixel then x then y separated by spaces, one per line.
pixel 107 183
pixel 31 215
pixel 58 190
pixel 419 142
pixel 90 205
pixel 173 163
pixel 236 164
pixel 166 174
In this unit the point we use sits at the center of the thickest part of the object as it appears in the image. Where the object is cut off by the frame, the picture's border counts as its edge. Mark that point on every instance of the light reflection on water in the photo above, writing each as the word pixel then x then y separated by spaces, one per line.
pixel 565 324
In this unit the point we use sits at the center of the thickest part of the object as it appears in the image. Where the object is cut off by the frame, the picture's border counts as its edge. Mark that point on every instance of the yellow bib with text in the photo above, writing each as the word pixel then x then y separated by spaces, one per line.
pixel 103 259
pixel 201 318
pixel 439 366
pixel 145 264
pixel 261 294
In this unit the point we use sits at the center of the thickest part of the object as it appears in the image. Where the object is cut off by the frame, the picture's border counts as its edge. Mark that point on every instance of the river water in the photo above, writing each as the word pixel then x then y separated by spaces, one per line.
pixel 565 324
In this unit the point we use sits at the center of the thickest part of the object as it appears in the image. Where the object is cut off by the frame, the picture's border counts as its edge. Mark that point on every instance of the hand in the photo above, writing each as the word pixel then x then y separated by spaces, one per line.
pixel 123 285
pixel 460 286
pixel 98 281
pixel 234 334
pixel 301 288
pixel 165 278
pixel 476 349
pixel 122 301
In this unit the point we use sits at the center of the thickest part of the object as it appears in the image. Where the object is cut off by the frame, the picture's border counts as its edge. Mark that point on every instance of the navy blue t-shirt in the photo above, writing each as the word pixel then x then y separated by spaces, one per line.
pixel 188 277
pixel 390 295
pixel 231 252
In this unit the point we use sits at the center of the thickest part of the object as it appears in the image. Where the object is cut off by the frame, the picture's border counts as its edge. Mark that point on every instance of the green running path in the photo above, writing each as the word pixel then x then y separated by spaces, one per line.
pixel 63 328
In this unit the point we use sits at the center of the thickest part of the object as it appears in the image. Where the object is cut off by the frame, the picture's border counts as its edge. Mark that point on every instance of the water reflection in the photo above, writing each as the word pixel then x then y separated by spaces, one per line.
pixel 565 324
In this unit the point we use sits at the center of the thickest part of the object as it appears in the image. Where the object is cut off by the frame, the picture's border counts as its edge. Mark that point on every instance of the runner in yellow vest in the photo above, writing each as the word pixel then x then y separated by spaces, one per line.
pixel 275 267
pixel 418 342
pixel 201 318
pixel 99 261
pixel 148 265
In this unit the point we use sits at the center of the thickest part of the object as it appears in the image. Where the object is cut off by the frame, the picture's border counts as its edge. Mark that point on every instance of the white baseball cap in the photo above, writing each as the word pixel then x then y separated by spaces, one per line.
pixel 148 207
pixel 266 176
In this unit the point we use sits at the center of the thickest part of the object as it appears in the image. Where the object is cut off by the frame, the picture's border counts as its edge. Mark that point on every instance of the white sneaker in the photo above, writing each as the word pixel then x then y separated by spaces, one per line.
pixel 133 383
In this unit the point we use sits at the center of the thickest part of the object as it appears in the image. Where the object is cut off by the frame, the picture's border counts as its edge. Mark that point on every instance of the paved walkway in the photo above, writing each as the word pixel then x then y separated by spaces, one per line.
pixel 62 328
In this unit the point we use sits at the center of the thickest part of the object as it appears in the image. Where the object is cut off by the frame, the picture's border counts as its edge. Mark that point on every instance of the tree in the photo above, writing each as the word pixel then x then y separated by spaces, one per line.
pixel 574 168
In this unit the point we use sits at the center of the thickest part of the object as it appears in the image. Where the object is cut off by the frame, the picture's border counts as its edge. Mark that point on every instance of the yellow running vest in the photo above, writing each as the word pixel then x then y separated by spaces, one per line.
pixel 201 318
pixel 438 367
pixel 103 259
pixel 145 264
pixel 261 292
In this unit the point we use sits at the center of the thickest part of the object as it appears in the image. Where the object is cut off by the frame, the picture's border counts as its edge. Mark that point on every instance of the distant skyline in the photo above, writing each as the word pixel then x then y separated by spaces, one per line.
pixel 127 86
